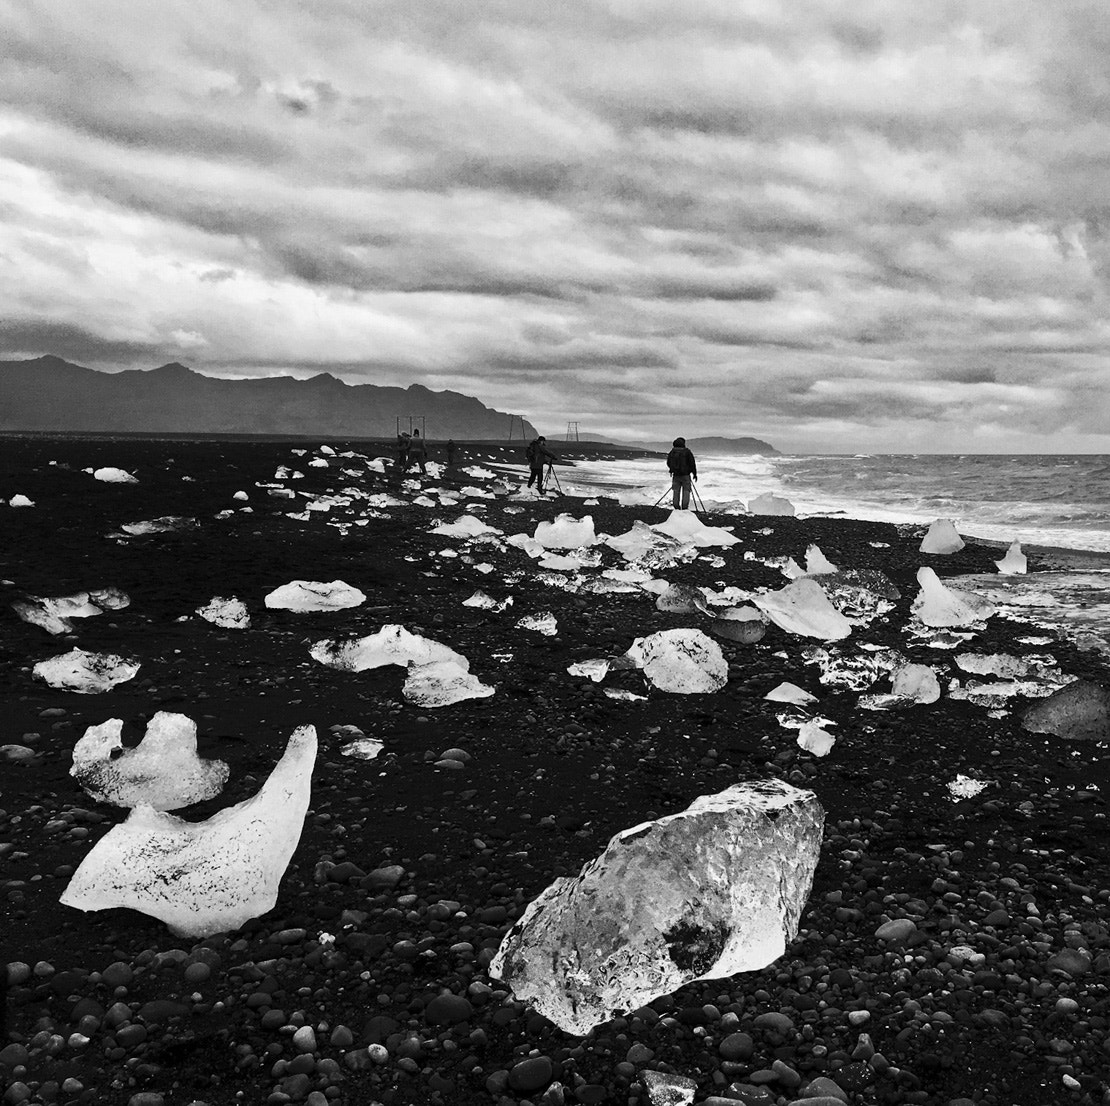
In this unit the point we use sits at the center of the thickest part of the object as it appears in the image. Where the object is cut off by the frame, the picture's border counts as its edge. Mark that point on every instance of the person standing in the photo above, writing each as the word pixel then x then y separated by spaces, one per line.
pixel 420 451
pixel 538 456
pixel 404 444
pixel 450 452
pixel 683 469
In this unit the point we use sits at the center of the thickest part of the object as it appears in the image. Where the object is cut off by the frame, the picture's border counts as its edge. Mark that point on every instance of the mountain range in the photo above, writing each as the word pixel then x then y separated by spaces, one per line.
pixel 715 446
pixel 48 394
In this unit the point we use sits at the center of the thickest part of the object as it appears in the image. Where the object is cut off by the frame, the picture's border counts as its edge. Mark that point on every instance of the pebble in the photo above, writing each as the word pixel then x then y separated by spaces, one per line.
pixel 897 931
pixel 531 1074
pixel 448 1010
pixel 304 1040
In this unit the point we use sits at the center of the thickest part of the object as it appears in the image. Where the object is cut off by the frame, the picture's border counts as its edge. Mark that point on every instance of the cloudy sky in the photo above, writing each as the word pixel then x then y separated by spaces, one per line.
pixel 841 226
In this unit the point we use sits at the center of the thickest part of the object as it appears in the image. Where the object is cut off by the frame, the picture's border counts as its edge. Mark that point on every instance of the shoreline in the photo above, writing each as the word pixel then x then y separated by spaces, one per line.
pixel 418 870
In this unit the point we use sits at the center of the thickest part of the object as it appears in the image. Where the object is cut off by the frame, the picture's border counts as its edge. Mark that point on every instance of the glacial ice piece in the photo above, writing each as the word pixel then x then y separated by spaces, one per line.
pixel 937 605
pixel 942 537
pixel 965 787
pixel 802 607
pixel 310 595
pixel 111 475
pixel 852 670
pixel 814 738
pixel 231 614
pixel 86 673
pixel 566 532
pixel 241 497
pixel 465 526
pixel 790 693
pixel 667 1088
pixel 202 878
pixel 392 644
pixel 596 669
pixel 543 623
pixel 817 564
pixel 1079 712
pixel 742 624
pixel 860 594
pixel 686 527
pixel 163 770
pixel 20 500
pixel 682 599
pixel 714 890
pixel 1014 563
pixel 910 684
pixel 484 602
pixel 634 543
pixel 165 524
pixel 442 683
pixel 685 662
pixel 768 504
pixel 54 615
pixel 363 748
pixel 110 599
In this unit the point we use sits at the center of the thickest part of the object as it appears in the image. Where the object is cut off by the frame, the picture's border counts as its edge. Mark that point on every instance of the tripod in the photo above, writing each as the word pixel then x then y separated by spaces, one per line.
pixel 551 473
pixel 699 502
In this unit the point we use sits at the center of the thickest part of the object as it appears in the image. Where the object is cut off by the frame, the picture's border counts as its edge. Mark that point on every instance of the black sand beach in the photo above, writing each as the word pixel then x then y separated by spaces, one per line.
pixel 110 1008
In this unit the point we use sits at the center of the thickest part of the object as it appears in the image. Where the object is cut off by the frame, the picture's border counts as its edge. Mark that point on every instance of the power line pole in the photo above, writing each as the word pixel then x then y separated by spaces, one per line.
pixel 572 432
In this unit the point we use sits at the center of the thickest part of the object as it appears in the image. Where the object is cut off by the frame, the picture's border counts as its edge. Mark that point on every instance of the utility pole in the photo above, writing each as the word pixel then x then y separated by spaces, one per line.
pixel 572 432
pixel 513 420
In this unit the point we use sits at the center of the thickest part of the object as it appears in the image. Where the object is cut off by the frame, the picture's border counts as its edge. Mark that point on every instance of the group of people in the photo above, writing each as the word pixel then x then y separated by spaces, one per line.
pixel 413 448
pixel 681 463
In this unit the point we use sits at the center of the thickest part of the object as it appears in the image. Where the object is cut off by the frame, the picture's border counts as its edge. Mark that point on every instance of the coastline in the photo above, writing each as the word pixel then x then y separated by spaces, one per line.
pixel 557 767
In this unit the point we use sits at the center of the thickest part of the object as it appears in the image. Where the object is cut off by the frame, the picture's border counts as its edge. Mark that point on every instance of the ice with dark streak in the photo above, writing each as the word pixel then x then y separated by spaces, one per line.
pixel 202 878
pixel 714 890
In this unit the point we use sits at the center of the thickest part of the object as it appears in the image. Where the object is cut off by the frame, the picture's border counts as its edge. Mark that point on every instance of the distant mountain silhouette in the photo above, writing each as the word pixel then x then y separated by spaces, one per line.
pixel 49 394
pixel 716 446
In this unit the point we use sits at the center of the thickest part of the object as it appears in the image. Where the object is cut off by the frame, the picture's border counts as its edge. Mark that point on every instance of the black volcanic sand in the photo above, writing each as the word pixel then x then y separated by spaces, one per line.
pixel 111 1008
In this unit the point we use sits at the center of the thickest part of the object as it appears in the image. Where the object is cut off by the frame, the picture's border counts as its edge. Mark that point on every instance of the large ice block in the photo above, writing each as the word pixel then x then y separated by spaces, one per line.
pixel 937 605
pixel 566 532
pixel 1014 563
pixel 714 890
pixel 685 662
pixel 392 644
pixel 443 683
pixel 162 771
pixel 685 526
pixel 942 537
pixel 202 878
pixel 86 673
pixel 769 504
pixel 802 607
pixel 312 595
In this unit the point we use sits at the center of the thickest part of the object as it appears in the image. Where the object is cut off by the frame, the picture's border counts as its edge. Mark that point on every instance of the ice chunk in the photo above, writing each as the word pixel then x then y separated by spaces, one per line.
pixel 595 670
pixel 941 537
pixel 566 532
pixel 542 623
pixel 686 527
pixel 526 543
pixel 1014 563
pixel 790 693
pixel 1080 711
pixel 668 1089
pixel 465 526
pixel 937 605
pixel 114 476
pixel 852 670
pixel 318 463
pixel 624 696
pixel 860 594
pixel 327 450
pixel 703 894
pixel 802 607
pixel 166 524
pixel 910 684
pixel 487 602
pixel 682 599
pixel 392 644
pixel 110 599
pixel 741 624
pixel 231 614
pixel 965 787
pixel 443 683
pixel 162 771
pixel 20 500
pixel 310 595
pixel 86 673
pixel 814 738
pixel 54 615
pixel 363 748
pixel 202 878
pixel 768 504
pixel 817 564
pixel 685 662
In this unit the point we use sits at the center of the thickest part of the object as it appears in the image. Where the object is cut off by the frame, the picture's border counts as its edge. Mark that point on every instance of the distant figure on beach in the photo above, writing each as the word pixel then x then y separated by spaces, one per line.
pixel 420 451
pixel 450 452
pixel 404 444
pixel 683 469
pixel 538 456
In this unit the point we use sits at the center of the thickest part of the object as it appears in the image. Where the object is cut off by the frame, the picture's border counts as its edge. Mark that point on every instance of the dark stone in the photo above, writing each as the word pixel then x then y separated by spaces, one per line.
pixel 532 1074
pixel 448 1009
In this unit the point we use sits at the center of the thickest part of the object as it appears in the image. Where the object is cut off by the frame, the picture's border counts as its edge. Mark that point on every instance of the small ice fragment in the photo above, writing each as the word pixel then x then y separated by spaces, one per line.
pixel 363 748
pixel 310 595
pixel 241 496
pixel 684 662
pixel 1014 563
pixel 814 739
pixel 163 770
pixel 626 696
pixel 231 614
pixel 768 504
pixel 802 607
pixel 942 537
pixel 595 670
pixel 566 532
pixel 817 564
pixel 442 683
pixel 166 524
pixel 668 1089
pixel 790 693
pixel 542 623
pixel 54 614
pixel 20 500
pixel 114 476
pixel 682 599
pixel 964 787
pixel 86 673
pixel 202 878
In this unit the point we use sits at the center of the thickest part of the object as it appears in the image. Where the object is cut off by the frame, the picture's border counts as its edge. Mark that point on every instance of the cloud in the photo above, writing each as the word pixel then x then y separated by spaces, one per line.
pixel 845 225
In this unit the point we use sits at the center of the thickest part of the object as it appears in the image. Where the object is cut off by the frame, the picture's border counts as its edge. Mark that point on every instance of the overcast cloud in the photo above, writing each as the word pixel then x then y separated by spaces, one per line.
pixel 849 226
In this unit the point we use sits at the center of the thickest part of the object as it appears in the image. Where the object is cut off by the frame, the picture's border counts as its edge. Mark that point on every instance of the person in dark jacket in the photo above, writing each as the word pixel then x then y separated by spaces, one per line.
pixel 450 452
pixel 419 451
pixel 683 469
pixel 538 455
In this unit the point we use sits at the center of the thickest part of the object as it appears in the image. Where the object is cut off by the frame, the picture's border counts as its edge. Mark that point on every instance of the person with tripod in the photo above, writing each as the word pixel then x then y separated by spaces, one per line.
pixel 538 455
pixel 683 469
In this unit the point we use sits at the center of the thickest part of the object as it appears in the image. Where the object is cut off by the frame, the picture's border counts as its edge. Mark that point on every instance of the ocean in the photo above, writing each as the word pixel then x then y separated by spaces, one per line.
pixel 1061 501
